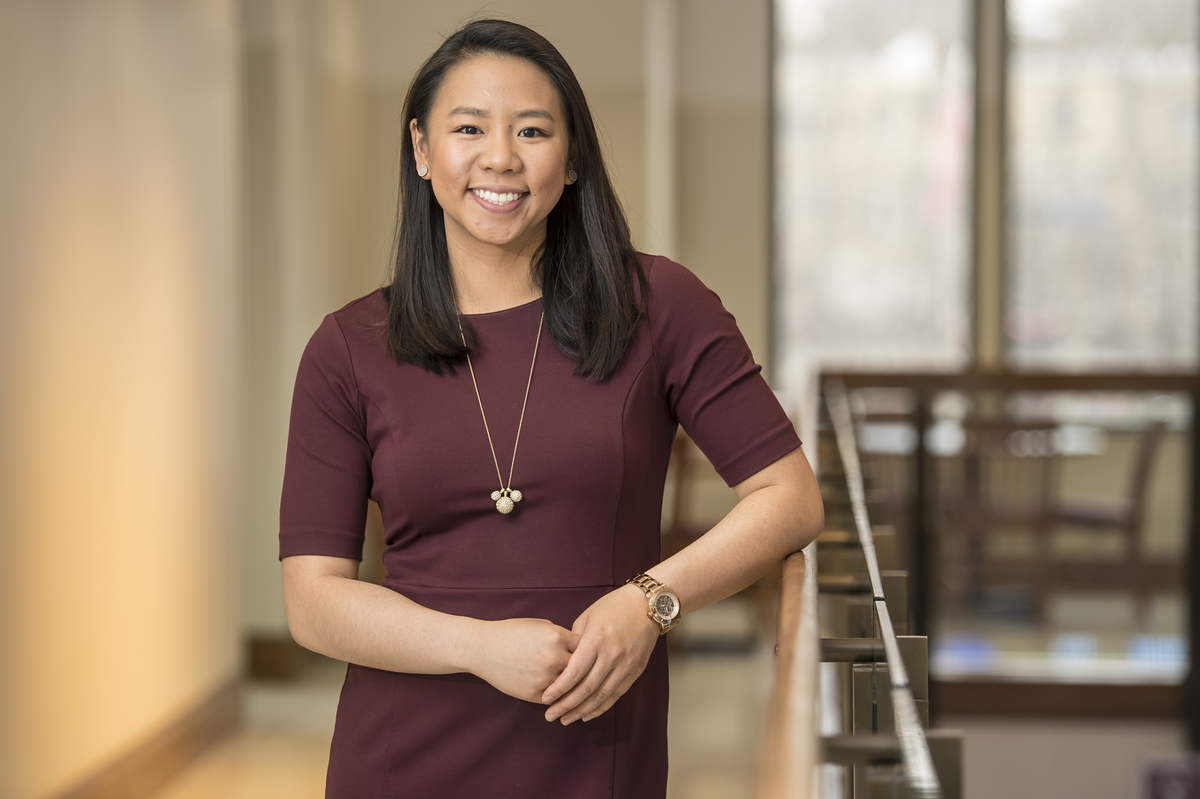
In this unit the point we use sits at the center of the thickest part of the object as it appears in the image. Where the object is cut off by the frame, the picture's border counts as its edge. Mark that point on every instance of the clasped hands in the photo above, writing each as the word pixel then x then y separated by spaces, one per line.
pixel 579 672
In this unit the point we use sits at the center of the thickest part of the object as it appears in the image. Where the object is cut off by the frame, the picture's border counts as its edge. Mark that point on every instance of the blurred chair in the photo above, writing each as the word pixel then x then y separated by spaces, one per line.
pixel 1003 482
pixel 1121 514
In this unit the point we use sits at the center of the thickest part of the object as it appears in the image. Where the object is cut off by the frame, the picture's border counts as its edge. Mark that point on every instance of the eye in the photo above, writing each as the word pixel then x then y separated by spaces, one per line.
pixel 470 130
pixel 532 133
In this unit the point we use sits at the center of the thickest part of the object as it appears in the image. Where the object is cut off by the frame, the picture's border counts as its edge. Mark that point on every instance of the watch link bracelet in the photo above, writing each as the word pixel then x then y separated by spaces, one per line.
pixel 663 602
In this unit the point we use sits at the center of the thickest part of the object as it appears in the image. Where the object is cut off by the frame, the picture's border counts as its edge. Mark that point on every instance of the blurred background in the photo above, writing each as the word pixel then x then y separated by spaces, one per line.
pixel 888 190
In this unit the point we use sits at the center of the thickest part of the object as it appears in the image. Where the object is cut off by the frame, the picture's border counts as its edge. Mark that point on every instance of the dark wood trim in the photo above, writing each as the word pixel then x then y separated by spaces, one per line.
pixel 150 764
pixel 1192 683
pixel 922 566
pixel 1005 380
pixel 1055 700
pixel 1191 697
pixel 274 657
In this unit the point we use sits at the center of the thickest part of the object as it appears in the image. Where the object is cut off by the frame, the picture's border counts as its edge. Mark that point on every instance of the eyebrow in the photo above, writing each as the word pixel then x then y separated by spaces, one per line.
pixel 479 112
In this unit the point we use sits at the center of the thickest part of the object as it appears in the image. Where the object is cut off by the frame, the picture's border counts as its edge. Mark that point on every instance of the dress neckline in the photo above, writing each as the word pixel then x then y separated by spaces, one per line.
pixel 514 309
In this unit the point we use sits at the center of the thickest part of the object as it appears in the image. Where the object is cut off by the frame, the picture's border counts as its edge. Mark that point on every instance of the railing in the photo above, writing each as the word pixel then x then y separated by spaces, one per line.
pixel 867 652
pixel 791 746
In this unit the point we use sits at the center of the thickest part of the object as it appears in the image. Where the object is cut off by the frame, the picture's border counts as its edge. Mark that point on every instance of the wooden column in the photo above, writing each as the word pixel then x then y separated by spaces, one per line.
pixel 989 229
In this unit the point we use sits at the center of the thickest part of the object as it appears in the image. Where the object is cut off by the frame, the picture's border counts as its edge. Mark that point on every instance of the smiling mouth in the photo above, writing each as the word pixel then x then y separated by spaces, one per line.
pixel 498 199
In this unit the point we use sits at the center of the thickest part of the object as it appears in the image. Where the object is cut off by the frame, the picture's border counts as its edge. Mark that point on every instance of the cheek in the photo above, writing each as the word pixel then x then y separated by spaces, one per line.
pixel 550 189
pixel 446 179
pixel 549 194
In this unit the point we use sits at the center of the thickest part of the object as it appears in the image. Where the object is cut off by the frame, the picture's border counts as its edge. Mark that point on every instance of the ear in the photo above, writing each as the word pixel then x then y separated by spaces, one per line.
pixel 420 144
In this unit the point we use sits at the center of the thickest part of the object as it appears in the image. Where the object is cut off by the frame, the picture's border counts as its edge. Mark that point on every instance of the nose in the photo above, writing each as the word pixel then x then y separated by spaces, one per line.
pixel 499 153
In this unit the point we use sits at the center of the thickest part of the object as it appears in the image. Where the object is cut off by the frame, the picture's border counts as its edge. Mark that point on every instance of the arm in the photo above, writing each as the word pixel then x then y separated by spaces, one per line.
pixel 331 612
pixel 778 512
pixel 323 510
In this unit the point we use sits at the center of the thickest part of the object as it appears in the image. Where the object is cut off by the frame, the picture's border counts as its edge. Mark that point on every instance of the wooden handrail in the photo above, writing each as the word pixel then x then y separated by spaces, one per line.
pixel 791 747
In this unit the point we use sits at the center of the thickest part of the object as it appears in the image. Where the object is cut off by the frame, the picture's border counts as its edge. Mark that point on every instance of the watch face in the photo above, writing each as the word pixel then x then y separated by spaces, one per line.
pixel 666 605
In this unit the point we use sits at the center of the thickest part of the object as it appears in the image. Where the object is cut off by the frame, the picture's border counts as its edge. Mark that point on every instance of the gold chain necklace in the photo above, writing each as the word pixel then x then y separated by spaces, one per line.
pixel 507 496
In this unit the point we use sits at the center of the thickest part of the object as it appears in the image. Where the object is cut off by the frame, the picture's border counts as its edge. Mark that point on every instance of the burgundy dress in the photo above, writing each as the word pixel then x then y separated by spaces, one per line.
pixel 591 464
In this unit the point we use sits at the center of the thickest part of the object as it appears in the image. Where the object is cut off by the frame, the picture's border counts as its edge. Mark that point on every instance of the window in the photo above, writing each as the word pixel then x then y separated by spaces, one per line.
pixel 873 110
pixel 1103 181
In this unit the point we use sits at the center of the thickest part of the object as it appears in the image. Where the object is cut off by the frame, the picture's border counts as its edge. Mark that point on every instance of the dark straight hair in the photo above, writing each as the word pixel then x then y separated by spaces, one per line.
pixel 587 264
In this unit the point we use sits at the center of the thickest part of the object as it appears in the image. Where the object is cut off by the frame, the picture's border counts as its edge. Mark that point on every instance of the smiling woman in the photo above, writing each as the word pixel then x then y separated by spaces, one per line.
pixel 495 147
pixel 494 633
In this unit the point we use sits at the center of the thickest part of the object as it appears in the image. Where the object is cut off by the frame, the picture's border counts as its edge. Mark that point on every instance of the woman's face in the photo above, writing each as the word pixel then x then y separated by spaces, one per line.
pixel 496 148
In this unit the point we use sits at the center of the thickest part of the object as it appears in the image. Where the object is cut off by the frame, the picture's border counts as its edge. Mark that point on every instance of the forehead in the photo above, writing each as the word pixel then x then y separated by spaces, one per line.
pixel 497 85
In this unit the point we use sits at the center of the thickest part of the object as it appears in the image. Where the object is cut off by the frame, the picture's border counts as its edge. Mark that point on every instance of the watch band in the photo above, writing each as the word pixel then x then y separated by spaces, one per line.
pixel 652 588
pixel 645 582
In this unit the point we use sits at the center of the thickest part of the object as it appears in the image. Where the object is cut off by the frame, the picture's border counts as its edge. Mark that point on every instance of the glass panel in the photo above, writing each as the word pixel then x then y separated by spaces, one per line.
pixel 872 139
pixel 1061 522
pixel 1103 102
pixel 1058 524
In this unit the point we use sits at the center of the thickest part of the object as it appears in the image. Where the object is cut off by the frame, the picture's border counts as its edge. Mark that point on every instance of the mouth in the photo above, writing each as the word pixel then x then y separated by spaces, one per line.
pixel 499 201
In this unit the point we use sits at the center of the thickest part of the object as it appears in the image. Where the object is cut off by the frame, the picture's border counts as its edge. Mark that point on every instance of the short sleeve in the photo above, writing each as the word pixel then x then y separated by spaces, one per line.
pixel 713 386
pixel 327 474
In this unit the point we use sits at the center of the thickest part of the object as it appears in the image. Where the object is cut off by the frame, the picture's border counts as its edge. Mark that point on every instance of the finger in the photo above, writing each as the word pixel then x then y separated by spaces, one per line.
pixel 581 662
pixel 616 684
pixel 591 708
pixel 569 707
pixel 602 708
pixel 576 696
pixel 611 698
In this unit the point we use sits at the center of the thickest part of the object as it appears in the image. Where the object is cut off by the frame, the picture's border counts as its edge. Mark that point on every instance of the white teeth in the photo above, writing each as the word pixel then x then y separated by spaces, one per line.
pixel 494 198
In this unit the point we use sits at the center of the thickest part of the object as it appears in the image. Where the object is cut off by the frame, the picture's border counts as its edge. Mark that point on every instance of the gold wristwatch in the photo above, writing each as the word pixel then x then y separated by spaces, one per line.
pixel 663 602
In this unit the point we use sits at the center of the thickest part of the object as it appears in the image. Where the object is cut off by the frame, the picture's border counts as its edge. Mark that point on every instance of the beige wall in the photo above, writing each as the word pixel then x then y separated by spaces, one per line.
pixel 724 211
pixel 119 202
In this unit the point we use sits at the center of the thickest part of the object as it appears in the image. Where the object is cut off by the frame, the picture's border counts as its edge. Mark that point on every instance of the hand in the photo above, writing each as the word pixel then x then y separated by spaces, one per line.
pixel 521 657
pixel 616 639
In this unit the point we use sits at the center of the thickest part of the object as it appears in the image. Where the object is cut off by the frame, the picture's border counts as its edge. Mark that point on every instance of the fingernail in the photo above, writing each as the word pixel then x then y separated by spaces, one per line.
pixel 569 720
pixel 551 716
pixel 549 699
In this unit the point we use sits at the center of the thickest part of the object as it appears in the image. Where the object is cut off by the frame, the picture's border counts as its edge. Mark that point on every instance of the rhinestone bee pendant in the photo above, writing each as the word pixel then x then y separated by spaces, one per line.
pixel 506 498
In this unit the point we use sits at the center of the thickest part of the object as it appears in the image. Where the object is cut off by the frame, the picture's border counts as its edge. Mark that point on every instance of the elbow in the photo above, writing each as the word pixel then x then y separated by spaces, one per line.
pixel 296 627
pixel 298 622
pixel 298 631
pixel 810 518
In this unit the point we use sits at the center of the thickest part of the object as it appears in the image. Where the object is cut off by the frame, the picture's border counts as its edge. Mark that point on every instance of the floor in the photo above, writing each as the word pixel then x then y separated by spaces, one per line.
pixel 717 710
pixel 1063 759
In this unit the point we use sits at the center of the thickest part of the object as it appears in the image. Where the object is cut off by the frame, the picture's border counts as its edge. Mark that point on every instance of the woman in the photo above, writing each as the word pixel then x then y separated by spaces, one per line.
pixel 509 400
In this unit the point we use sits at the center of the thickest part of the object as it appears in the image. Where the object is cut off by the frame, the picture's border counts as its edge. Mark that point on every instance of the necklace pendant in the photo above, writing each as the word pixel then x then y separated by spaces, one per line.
pixel 506 499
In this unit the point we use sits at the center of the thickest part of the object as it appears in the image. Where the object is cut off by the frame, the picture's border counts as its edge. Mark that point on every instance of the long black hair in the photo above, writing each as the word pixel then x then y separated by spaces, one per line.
pixel 586 265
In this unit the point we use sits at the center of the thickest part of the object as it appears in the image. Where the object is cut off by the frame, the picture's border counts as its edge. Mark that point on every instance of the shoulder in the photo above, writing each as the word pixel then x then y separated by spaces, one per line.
pixel 669 278
pixel 347 338
pixel 369 311
pixel 674 291
pixel 360 323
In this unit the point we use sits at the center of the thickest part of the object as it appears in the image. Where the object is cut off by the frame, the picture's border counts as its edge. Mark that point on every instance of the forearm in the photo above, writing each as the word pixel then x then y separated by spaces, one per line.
pixel 769 522
pixel 778 512
pixel 339 616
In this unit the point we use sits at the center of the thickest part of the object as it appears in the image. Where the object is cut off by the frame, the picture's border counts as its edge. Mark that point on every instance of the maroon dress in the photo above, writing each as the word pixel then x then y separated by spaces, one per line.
pixel 591 465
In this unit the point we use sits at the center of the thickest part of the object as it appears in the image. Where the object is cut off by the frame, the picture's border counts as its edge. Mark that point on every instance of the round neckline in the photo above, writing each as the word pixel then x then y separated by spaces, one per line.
pixel 503 310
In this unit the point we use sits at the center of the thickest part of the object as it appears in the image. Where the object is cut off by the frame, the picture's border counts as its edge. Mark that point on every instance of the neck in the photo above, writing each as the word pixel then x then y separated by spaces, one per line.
pixel 489 279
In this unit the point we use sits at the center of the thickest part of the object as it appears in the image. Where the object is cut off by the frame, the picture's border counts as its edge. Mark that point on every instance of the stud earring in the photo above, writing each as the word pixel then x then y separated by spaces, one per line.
pixel 422 170
pixel 573 175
